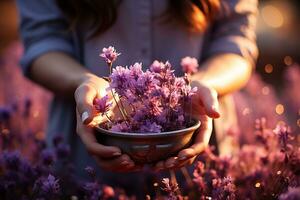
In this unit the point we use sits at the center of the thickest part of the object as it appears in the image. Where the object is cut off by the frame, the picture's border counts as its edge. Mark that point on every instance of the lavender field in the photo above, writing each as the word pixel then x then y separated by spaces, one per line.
pixel 266 165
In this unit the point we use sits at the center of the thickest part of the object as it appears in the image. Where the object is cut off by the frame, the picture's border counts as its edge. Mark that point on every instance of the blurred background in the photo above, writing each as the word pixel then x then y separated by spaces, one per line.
pixel 272 92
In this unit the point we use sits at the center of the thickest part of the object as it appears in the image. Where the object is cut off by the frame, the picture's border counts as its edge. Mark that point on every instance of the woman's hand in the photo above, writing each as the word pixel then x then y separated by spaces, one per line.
pixel 108 157
pixel 204 107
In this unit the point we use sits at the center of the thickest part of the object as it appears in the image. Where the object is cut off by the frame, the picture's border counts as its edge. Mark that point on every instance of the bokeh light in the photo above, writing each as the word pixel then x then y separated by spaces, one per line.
pixel 272 16
pixel 5 131
pixel 279 109
pixel 279 172
pixel 246 111
pixel 36 114
pixel 288 60
pixel 269 68
pixel 265 90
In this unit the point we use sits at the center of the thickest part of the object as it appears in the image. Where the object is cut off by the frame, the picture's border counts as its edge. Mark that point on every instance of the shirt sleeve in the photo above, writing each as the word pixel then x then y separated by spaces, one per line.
pixel 43 28
pixel 234 30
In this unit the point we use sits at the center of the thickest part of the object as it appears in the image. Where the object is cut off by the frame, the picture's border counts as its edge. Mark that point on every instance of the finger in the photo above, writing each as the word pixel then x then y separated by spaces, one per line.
pixel 95 148
pixel 200 142
pixel 186 162
pixel 210 102
pixel 171 162
pixel 84 96
pixel 122 163
pixel 136 168
pixel 92 146
pixel 159 166
pixel 186 154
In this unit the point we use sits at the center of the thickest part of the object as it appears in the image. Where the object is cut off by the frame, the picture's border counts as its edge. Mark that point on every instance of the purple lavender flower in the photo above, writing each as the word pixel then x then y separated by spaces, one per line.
pixel 12 160
pixel 120 127
pixel 26 169
pixel 180 119
pixel 48 157
pixel 291 194
pixel 155 97
pixel 139 115
pixel 58 139
pixel 163 117
pixel 168 72
pixel 170 188
pixel 223 189
pixel 282 131
pixel 294 162
pixel 5 113
pixel 150 127
pixel 164 91
pixel 121 80
pixel 157 67
pixel 189 65
pixel 136 70
pixel 162 71
pixel 179 83
pixel 130 97
pixel 102 105
pixel 188 91
pixel 62 151
pixel 91 171
pixel 145 83
pixel 91 186
pixel 92 189
pixel 50 185
pixel 174 99
pixel 109 54
pixel 153 106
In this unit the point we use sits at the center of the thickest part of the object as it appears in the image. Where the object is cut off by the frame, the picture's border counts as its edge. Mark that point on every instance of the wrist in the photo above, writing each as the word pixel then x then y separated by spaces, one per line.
pixel 202 83
pixel 200 78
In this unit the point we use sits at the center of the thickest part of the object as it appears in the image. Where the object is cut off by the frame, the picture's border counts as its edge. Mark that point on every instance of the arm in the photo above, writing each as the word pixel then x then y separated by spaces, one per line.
pixel 230 56
pixel 59 72
pixel 231 51
pixel 225 73
pixel 49 60
pixel 64 75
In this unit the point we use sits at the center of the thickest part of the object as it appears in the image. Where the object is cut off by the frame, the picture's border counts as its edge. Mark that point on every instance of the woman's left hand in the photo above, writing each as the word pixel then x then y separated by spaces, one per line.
pixel 204 106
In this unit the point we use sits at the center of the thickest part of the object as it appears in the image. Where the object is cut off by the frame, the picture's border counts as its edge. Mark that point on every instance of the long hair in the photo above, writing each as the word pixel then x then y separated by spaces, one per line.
pixel 195 15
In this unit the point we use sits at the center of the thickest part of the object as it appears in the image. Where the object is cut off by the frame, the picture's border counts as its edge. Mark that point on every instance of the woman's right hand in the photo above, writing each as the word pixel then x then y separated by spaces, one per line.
pixel 108 157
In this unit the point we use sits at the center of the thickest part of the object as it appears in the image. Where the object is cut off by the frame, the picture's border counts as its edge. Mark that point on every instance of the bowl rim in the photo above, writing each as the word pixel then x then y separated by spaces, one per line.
pixel 143 135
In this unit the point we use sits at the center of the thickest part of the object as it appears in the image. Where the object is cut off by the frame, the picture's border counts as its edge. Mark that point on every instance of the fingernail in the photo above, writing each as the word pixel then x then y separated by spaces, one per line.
pixel 117 154
pixel 130 165
pixel 158 169
pixel 138 168
pixel 214 108
pixel 125 162
pixel 182 158
pixel 84 116
pixel 171 165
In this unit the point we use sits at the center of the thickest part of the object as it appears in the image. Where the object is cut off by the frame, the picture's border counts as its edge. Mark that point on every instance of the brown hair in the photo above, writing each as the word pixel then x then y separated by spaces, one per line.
pixel 193 14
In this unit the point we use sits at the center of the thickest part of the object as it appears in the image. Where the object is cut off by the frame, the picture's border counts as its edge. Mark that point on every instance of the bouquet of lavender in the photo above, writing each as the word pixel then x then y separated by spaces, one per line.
pixel 150 101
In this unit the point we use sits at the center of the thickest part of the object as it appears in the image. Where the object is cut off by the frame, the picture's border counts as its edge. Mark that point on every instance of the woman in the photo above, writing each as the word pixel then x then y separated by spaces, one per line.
pixel 63 39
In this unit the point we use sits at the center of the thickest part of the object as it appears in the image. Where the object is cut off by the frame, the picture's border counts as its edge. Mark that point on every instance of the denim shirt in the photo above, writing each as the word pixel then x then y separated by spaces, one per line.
pixel 141 37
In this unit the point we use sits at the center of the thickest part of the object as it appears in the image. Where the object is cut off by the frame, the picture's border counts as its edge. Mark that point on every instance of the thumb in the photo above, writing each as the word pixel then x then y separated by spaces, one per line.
pixel 211 103
pixel 84 97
